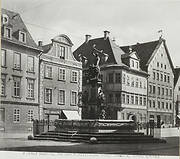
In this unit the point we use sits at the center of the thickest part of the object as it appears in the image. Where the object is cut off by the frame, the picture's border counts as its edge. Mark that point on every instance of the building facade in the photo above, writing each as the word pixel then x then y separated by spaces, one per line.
pixel 177 96
pixel 156 61
pixel 60 80
pixel 123 82
pixel 19 75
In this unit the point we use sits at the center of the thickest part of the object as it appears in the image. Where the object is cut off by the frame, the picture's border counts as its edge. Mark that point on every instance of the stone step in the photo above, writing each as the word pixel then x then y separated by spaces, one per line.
pixel 98 137
pixel 96 134
pixel 105 141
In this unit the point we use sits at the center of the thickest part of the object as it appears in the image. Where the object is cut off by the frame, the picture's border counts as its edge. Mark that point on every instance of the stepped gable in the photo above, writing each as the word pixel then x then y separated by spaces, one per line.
pixel 16 24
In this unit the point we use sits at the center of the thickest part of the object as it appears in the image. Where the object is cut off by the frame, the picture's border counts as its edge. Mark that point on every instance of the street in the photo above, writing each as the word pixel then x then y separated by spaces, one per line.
pixel 171 148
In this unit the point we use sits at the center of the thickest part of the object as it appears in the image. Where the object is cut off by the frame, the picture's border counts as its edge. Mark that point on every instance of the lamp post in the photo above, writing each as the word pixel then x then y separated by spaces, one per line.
pixel 93 94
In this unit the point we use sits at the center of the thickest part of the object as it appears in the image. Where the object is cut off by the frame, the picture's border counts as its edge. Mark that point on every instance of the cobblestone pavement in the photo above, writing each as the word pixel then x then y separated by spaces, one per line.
pixel 170 148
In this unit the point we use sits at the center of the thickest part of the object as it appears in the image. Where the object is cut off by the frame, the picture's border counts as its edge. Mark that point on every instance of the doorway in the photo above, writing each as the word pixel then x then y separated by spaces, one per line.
pixel 158 121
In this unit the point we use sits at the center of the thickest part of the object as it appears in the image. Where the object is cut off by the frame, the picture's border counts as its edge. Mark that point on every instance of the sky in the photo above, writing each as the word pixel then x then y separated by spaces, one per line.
pixel 129 21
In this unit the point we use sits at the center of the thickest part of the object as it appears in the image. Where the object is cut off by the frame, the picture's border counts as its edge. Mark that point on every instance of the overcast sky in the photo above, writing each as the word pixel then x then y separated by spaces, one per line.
pixel 129 21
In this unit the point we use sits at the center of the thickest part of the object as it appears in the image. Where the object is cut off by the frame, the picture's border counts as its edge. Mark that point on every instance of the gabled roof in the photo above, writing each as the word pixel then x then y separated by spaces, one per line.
pixel 176 75
pixel 108 47
pixel 46 48
pixel 143 50
pixel 146 51
pixel 128 55
pixel 16 24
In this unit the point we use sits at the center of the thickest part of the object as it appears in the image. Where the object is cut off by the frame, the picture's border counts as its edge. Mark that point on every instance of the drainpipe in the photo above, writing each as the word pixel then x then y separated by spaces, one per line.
pixel 39 56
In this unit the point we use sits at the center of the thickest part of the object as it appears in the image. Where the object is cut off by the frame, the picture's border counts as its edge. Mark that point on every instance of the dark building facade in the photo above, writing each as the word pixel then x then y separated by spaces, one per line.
pixel 124 84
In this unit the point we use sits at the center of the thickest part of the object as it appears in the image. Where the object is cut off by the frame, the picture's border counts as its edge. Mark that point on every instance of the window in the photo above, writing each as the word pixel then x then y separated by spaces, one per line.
pixel 61 52
pixel 162 91
pixel 137 65
pixel 150 104
pixel 140 100
pixel 132 99
pixel 161 77
pixel 154 104
pixel 118 78
pixel 164 78
pixel 166 105
pixel 132 82
pixel 127 97
pixel 3 84
pixel 140 84
pixel 17 61
pixel 144 101
pixel 170 92
pixel 132 63
pixel 158 76
pixel 168 79
pixel 165 67
pixel 111 78
pixel 61 99
pixel 110 98
pixel 62 74
pixel 124 79
pixel 154 75
pixel 162 105
pixel 3 57
pixel 159 104
pixel 30 116
pixel 48 95
pixel 150 88
pixel 22 36
pixel 118 98
pixel 159 91
pixel 7 32
pixel 74 77
pixel 30 85
pixel 166 91
pixel 157 64
pixel 170 106
pixel 48 71
pixel 123 98
pixel 137 82
pixel 17 86
pixel 16 116
pixel 73 98
pixel 30 64
pixel 161 65
pixel 136 100
pixel 128 81
pixel 154 89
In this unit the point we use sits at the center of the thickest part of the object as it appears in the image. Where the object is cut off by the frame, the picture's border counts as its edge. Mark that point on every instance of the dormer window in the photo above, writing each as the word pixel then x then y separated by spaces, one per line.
pixel 132 63
pixel 7 32
pixel 22 36
pixel 137 65
pixel 61 52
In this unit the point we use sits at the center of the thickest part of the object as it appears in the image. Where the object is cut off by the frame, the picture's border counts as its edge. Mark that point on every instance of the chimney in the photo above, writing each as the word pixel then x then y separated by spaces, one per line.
pixel 106 34
pixel 87 38
pixel 40 43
